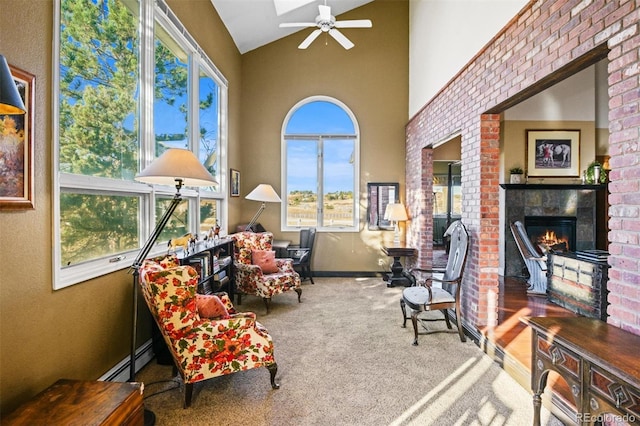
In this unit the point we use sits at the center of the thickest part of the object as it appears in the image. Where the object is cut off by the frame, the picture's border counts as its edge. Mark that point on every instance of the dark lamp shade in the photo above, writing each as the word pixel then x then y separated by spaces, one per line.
pixel 176 164
pixel 10 100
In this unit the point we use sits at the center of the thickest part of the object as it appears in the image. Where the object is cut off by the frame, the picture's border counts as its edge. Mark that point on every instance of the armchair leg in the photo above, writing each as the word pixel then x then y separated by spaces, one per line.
pixel 188 392
pixel 414 320
pixel 267 303
pixel 460 328
pixel 309 274
pixel 404 313
pixel 273 369
pixel 299 291
pixel 446 318
pixel 239 295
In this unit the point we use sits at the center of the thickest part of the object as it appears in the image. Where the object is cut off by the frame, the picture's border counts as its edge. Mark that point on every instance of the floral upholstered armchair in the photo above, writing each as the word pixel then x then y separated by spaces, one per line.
pixel 258 272
pixel 222 343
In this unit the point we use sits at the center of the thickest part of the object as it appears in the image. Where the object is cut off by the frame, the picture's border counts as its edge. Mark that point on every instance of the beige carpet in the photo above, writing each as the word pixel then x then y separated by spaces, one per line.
pixel 344 359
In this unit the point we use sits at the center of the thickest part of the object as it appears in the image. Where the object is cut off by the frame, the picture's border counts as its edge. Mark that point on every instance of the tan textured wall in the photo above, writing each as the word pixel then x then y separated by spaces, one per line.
pixel 82 331
pixel 371 79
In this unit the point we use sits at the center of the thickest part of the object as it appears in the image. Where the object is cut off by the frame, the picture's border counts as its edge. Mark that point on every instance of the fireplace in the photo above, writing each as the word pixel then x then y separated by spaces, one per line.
pixel 549 201
pixel 552 233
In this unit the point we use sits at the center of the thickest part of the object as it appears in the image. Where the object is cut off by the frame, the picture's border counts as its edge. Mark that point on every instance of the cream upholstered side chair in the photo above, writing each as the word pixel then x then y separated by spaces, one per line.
pixel 258 272
pixel 424 296
pixel 202 348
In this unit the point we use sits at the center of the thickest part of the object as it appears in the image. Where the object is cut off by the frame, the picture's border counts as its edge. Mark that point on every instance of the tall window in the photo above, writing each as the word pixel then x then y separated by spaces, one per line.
pixel 112 120
pixel 320 177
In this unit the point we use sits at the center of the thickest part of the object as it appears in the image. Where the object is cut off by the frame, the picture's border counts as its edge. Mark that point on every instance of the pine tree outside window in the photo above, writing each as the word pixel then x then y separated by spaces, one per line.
pixel 104 135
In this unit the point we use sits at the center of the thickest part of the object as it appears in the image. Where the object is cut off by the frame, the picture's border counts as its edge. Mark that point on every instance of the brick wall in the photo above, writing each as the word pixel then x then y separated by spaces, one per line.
pixel 546 42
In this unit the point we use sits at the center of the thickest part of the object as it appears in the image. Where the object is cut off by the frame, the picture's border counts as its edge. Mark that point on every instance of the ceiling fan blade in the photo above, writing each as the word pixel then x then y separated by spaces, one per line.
pixel 358 23
pixel 307 41
pixel 297 24
pixel 340 38
pixel 325 12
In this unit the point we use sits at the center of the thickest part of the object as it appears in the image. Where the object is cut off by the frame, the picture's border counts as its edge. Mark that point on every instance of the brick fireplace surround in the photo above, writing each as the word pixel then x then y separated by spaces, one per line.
pixel 547 42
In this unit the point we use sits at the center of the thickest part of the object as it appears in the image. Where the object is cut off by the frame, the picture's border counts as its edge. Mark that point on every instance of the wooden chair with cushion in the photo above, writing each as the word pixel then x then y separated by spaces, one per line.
pixel 258 272
pixel 424 296
pixel 206 336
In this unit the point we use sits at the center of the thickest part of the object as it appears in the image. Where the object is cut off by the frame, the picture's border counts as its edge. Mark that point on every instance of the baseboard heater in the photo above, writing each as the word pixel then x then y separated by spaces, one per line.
pixel 120 372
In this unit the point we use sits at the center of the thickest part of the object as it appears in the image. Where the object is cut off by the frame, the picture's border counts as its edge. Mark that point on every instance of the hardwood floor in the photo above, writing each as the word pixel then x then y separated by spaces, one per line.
pixel 511 334
pixel 509 342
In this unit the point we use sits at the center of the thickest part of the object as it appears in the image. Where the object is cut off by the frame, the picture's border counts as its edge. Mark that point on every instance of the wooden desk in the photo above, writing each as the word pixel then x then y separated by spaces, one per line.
pixel 72 402
pixel 599 362
pixel 397 251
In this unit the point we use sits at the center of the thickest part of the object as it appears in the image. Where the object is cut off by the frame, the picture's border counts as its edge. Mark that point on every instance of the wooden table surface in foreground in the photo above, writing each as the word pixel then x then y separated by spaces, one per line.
pixel 73 402
pixel 599 362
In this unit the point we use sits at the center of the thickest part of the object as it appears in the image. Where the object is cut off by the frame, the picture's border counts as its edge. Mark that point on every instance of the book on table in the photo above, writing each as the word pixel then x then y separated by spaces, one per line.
pixel 593 254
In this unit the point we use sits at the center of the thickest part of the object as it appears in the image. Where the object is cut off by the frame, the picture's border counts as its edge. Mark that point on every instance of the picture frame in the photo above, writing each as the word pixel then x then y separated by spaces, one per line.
pixel 553 153
pixel 16 148
pixel 234 183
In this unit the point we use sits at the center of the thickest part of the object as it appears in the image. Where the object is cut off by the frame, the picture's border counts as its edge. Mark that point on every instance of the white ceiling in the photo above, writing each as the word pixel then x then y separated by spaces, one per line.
pixel 254 23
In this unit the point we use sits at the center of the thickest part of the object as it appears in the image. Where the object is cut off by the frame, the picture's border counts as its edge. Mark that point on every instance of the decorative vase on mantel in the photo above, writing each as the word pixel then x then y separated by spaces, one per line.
pixel 516 174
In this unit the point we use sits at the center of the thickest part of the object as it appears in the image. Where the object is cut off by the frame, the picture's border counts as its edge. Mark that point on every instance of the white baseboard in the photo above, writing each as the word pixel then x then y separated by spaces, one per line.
pixel 120 372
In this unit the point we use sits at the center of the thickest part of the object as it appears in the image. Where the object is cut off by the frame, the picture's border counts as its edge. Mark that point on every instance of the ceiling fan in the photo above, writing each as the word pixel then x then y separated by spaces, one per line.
pixel 326 23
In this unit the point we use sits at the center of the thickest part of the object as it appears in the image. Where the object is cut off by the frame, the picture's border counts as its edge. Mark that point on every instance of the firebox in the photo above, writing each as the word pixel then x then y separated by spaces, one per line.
pixel 552 233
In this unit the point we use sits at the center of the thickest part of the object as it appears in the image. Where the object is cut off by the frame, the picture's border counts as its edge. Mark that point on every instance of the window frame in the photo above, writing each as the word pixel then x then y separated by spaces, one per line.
pixel 150 13
pixel 355 227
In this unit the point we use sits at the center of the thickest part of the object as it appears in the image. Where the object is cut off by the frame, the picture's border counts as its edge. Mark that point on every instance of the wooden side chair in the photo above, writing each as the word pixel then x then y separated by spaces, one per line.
pixel 302 253
pixel 423 296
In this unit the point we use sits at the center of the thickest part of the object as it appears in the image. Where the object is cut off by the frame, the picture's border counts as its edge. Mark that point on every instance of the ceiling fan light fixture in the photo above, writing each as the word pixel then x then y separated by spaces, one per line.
pixel 326 22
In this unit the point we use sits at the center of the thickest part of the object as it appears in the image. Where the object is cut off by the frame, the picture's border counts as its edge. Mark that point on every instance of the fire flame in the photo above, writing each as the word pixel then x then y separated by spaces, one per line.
pixel 550 239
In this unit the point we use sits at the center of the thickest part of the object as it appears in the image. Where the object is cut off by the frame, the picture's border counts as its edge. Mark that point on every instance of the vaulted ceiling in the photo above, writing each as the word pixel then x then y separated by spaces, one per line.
pixel 254 23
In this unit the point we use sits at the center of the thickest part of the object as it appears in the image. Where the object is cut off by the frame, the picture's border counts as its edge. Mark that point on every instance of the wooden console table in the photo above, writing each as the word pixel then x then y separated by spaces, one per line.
pixel 599 362
pixel 73 402
pixel 397 251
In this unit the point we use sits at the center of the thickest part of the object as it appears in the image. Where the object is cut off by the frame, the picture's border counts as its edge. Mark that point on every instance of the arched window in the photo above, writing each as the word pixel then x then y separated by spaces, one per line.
pixel 320 154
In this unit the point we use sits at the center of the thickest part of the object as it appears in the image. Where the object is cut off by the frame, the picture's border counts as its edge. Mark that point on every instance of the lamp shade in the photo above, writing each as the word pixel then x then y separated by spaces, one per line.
pixel 265 193
pixel 176 164
pixel 395 212
pixel 10 100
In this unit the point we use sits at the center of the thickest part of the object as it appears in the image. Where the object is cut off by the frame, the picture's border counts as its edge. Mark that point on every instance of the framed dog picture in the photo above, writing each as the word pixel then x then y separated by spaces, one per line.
pixel 553 153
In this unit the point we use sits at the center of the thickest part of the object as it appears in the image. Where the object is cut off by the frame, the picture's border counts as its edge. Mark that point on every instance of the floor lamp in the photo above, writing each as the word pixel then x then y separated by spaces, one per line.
pixel 265 193
pixel 179 167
